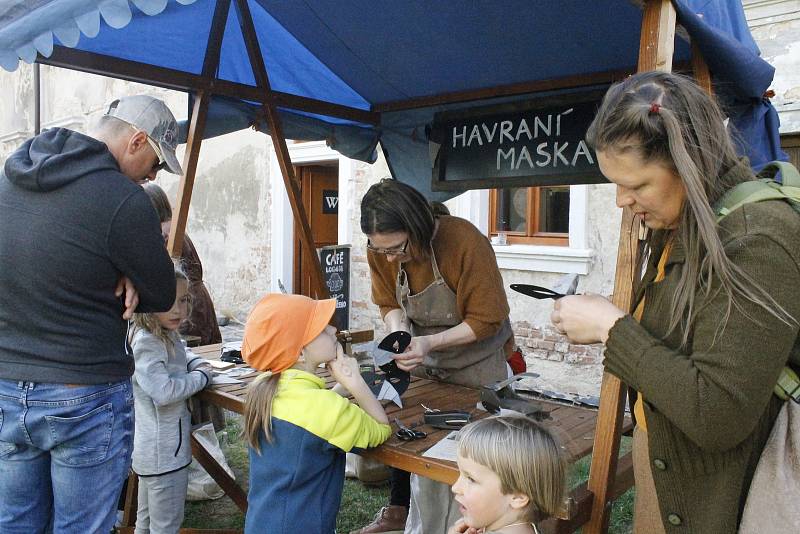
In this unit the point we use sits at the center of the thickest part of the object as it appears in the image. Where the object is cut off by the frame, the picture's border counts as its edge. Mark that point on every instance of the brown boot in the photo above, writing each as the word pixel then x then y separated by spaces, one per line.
pixel 390 519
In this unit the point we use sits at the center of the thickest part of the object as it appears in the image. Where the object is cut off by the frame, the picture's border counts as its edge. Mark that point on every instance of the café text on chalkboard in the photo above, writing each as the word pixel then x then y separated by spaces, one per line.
pixel 335 261
pixel 520 144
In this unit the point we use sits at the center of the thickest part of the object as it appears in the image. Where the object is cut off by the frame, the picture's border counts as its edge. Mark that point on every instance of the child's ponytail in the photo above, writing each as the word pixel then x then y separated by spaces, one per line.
pixel 258 408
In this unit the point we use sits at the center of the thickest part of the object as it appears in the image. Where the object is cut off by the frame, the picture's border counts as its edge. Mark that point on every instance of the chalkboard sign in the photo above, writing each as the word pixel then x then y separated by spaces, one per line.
pixel 335 261
pixel 532 143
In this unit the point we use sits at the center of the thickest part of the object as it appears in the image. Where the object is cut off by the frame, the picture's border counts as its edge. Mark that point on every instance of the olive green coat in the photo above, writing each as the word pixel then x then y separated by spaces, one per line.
pixel 710 408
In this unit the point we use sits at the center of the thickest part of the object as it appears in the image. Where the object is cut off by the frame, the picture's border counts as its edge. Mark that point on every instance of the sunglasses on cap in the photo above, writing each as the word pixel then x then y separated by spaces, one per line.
pixel 162 163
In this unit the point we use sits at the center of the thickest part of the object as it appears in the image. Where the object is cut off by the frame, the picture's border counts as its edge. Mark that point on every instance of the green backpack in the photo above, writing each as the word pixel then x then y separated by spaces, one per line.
pixel 768 188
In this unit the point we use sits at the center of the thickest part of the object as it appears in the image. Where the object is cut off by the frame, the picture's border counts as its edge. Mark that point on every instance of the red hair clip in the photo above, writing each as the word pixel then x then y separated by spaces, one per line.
pixel 655 107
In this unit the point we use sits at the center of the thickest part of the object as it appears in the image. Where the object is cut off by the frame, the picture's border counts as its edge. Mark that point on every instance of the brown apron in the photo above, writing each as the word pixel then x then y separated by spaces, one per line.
pixel 435 309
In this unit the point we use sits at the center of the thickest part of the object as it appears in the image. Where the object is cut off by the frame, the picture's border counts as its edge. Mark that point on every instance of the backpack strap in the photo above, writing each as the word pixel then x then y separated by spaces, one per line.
pixel 789 173
pixel 788 386
pixel 768 188
pixel 755 191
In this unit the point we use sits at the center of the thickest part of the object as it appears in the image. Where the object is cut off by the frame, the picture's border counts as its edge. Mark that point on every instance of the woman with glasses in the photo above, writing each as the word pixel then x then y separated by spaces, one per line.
pixel 437 278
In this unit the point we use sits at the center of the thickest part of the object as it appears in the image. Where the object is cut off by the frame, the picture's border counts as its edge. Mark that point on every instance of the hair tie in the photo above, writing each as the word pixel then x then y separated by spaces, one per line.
pixel 266 375
pixel 655 107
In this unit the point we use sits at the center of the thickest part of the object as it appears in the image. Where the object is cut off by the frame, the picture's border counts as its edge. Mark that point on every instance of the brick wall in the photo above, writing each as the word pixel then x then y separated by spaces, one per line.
pixel 544 343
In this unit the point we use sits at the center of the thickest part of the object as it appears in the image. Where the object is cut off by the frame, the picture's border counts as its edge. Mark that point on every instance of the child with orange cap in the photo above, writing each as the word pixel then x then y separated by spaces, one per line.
pixel 299 430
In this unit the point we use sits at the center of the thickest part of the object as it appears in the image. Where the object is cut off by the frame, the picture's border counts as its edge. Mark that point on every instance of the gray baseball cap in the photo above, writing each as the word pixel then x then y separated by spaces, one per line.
pixel 154 118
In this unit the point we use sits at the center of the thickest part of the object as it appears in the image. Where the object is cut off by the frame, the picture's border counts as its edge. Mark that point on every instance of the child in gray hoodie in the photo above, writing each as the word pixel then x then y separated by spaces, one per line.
pixel 162 382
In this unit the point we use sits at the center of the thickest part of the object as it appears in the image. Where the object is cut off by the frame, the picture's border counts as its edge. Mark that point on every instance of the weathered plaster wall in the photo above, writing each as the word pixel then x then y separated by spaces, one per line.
pixel 364 313
pixel 775 26
pixel 229 218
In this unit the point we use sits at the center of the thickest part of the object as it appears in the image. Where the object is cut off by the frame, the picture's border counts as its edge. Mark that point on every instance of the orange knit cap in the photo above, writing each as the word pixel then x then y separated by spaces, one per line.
pixel 280 326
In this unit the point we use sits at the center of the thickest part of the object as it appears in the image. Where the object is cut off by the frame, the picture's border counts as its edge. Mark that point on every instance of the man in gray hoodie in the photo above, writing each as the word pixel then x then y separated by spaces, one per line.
pixel 80 247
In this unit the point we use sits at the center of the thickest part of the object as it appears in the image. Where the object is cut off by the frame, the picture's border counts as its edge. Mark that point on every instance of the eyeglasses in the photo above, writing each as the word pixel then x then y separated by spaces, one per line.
pixel 395 251
pixel 160 166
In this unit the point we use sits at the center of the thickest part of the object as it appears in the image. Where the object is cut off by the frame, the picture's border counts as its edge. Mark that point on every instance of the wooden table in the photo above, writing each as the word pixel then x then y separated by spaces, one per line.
pixel 574 427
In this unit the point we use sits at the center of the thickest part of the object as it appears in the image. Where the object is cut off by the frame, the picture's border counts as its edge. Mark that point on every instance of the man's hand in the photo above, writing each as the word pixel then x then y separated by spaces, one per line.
pixel 125 286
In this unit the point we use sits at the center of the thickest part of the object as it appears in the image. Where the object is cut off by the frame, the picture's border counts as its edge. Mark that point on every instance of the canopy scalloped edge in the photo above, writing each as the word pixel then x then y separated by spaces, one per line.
pixel 66 19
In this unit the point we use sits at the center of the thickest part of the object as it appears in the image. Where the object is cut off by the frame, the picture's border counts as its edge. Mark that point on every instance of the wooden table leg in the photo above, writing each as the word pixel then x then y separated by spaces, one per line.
pixel 131 501
pixel 225 481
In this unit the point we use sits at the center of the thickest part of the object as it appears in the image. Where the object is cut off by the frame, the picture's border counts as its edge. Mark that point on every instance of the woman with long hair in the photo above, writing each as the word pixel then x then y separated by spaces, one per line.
pixel 715 312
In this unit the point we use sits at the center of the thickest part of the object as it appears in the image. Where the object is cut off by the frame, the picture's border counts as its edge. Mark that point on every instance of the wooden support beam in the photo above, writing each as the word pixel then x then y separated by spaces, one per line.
pixel 279 143
pixel 215 35
pixel 131 500
pixel 70 58
pixel 700 70
pixel 583 80
pixel 225 481
pixel 180 212
pixel 655 53
pixel 580 500
pixel 657 43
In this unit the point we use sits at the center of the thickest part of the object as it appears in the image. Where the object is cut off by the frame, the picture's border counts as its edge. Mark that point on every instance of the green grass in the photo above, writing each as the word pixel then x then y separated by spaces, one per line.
pixel 621 521
pixel 222 512
pixel 360 503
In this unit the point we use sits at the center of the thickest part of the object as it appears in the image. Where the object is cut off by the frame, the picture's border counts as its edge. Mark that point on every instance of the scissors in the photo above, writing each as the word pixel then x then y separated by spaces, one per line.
pixel 536 292
pixel 407 434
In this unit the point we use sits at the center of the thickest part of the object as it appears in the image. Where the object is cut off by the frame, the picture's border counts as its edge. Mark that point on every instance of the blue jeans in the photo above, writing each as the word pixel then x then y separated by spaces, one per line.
pixel 65 452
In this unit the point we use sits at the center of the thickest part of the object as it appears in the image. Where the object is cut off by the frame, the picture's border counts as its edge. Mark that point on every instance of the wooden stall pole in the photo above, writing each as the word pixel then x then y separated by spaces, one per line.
pixel 279 142
pixel 180 212
pixel 700 70
pixel 655 53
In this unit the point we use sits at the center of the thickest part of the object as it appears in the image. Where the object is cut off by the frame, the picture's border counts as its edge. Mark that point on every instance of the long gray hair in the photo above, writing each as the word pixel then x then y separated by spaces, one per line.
pixel 667 119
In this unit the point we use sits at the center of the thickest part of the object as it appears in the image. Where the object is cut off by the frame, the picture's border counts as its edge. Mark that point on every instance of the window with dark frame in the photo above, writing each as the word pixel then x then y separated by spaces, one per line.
pixel 530 215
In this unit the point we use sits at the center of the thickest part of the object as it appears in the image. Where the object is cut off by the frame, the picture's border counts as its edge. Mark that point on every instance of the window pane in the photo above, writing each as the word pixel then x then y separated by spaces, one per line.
pixel 554 209
pixel 511 210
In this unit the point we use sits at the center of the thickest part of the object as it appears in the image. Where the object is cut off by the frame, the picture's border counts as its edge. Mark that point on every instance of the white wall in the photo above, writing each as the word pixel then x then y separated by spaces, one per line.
pixel 775 26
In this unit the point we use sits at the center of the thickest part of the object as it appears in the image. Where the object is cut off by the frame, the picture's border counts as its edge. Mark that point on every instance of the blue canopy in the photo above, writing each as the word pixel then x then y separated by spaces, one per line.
pixel 406 55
